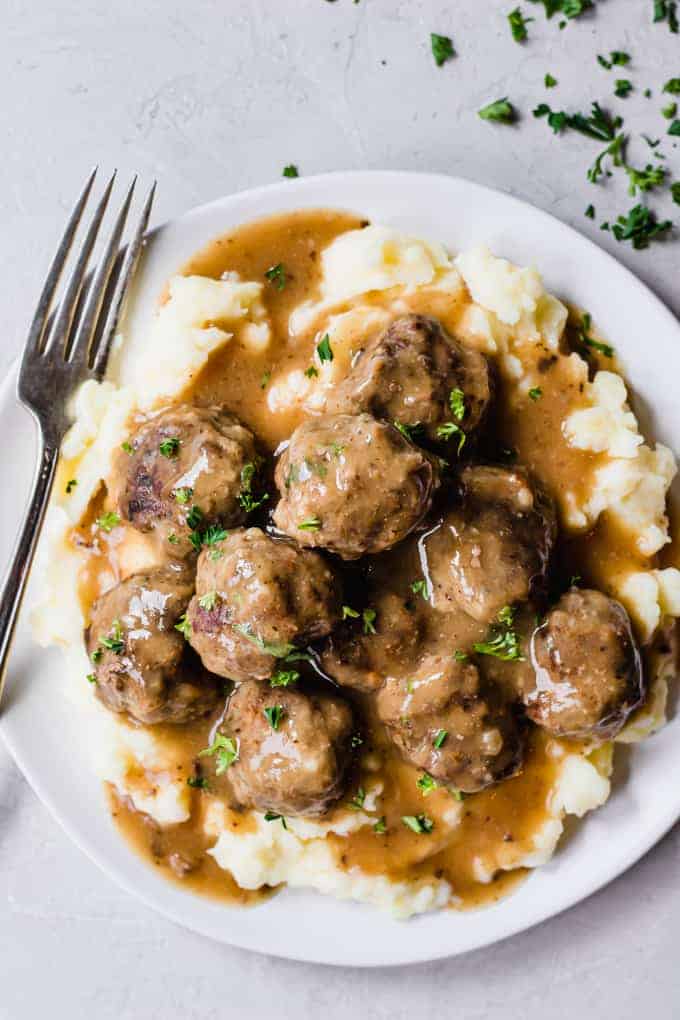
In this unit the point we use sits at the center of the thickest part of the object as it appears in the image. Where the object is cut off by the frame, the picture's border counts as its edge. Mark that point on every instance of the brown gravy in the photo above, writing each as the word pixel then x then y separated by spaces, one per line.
pixel 508 814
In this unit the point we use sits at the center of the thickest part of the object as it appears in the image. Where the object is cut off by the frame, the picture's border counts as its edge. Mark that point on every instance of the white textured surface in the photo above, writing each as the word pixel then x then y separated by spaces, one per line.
pixel 218 95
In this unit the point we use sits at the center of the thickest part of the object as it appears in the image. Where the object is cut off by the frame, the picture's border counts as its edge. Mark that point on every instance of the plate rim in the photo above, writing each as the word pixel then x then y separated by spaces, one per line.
pixel 636 851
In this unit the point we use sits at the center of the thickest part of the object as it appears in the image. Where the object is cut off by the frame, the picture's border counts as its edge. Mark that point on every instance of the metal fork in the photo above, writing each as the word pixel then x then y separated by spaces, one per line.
pixel 65 347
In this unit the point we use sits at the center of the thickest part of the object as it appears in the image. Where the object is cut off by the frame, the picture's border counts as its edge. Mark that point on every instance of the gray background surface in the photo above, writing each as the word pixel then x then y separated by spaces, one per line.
pixel 214 96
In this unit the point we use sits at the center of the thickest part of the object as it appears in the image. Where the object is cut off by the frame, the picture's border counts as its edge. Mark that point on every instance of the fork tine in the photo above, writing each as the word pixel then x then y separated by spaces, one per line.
pixel 102 344
pixel 42 311
pixel 64 320
pixel 79 353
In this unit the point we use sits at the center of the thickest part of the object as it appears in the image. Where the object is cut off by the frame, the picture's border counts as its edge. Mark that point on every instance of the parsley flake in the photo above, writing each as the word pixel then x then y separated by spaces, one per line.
pixel 380 826
pixel 324 349
pixel 284 678
pixel 70 485
pixel 549 81
pixel 420 824
pixel 426 784
pixel 309 524
pixel 113 641
pixel 183 625
pixel 277 649
pixel 350 614
pixel 440 738
pixel 357 801
pixel 535 393
pixel 457 404
pixel 442 48
pixel 503 640
pixel 208 601
pixel 368 616
pixel 169 447
pixel 448 430
pixel 518 25
pixel 640 226
pixel 183 495
pixel 225 750
pixel 197 782
pixel 274 714
pixel 290 171
pixel 420 588
pixel 271 816
pixel 276 275
pixel 107 522
pixel 501 111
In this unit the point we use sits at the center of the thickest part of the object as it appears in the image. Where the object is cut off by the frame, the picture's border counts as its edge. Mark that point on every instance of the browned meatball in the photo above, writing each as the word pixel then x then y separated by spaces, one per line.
pixel 355 658
pixel 140 661
pixel 256 598
pixel 492 548
pixel 442 720
pixel 185 458
pixel 351 484
pixel 294 749
pixel 587 665
pixel 416 374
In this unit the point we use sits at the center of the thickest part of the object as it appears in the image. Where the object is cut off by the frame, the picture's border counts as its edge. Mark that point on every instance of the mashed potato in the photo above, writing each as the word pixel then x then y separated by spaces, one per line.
pixel 368 276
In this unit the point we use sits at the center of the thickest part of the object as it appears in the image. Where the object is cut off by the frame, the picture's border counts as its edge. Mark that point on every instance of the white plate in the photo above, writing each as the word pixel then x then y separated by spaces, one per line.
pixel 42 733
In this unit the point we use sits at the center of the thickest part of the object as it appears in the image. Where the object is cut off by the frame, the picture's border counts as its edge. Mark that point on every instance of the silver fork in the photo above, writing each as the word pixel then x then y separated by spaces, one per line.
pixel 64 348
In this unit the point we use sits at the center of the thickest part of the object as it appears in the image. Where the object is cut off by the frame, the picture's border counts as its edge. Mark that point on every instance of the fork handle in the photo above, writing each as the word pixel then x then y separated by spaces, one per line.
pixel 14 584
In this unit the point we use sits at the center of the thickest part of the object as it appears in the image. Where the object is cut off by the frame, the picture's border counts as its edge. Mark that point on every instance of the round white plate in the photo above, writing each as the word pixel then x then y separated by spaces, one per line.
pixel 43 735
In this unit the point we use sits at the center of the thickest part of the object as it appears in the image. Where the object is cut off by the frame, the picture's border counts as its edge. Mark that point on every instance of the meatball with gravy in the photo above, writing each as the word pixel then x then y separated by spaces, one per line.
pixel 492 548
pixel 442 720
pixel 184 468
pixel 416 374
pixel 141 665
pixel 352 485
pixel 588 672
pixel 256 599
pixel 294 748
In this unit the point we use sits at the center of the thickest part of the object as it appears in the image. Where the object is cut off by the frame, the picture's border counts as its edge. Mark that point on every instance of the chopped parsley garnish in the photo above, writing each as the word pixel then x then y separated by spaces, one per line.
pixel 675 192
pixel 246 499
pixel 448 430
pixel 183 495
pixel 309 524
pixel 96 655
pixel 535 393
pixel 169 447
pixel 107 522
pixel 426 784
pixel 284 678
pixel 197 782
pixel 457 404
pixel 350 614
pixel 70 485
pixel 225 750
pixel 672 86
pixel 518 25
pixel 409 432
pixel 645 180
pixel 460 656
pixel 442 48
pixel 623 87
pixel 590 212
pixel 113 641
pixel 184 626
pixel 501 111
pixel 457 794
pixel 567 8
pixel 357 801
pixel 615 149
pixel 640 226
pixel 667 10
pixel 208 601
pixel 440 738
pixel 503 640
pixel 368 616
pixel 277 275
pixel 274 714
pixel 617 58
pixel 669 111
pixel 420 588
pixel 264 379
pixel 277 649
pixel 290 171
pixel 127 447
pixel 173 539
pixel 311 372
pixel 91 678
pixel 194 517
pixel 549 81
pixel 599 125
pixel 324 349
pixel 356 740
pixel 214 534
pixel 380 826
pixel 271 816
pixel 674 129
pixel 420 824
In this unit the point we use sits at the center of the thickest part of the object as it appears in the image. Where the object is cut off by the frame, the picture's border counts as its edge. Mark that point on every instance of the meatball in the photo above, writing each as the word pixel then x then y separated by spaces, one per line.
pixel 492 548
pixel 362 661
pixel 352 485
pixel 442 720
pixel 256 598
pixel 294 749
pixel 186 467
pixel 141 661
pixel 408 375
pixel 588 673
